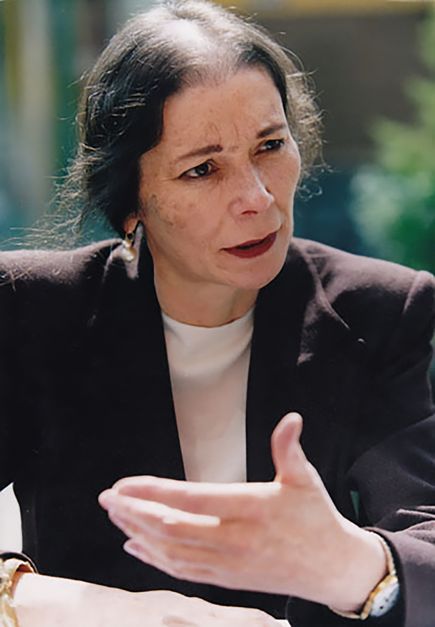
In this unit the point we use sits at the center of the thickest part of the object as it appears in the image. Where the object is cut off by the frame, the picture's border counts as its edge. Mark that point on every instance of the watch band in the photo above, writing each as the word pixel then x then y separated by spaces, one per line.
pixel 10 564
pixel 383 597
pixel 22 557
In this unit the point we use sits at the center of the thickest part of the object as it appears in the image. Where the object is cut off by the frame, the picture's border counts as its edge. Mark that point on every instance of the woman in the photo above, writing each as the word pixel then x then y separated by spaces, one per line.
pixel 176 353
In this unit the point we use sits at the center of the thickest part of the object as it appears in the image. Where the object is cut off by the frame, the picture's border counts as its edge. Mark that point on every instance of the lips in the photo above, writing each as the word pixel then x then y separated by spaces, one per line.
pixel 253 248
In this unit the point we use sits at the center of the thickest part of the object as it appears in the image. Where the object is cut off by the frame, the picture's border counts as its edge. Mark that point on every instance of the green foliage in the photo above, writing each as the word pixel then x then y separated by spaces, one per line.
pixel 395 198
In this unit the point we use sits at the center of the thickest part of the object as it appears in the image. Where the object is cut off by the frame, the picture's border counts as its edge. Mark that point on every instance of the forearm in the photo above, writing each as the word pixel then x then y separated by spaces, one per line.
pixel 40 601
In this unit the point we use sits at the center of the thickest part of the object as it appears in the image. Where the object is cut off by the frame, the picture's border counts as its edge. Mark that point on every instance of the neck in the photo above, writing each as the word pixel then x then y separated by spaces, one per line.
pixel 203 305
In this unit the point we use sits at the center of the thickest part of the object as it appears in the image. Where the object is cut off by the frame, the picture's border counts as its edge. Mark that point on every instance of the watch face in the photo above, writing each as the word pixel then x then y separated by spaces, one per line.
pixel 386 599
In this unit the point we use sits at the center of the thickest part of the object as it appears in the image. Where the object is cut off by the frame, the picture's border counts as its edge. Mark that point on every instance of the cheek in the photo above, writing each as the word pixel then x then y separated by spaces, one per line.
pixel 293 162
pixel 283 177
pixel 294 168
pixel 164 214
pixel 175 226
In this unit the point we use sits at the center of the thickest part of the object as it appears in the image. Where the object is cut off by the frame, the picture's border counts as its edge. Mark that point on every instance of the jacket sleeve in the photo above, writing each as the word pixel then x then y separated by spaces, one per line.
pixel 16 430
pixel 9 441
pixel 395 475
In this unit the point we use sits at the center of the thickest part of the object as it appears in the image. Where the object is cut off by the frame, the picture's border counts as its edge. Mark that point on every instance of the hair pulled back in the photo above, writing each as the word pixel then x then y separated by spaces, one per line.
pixel 121 111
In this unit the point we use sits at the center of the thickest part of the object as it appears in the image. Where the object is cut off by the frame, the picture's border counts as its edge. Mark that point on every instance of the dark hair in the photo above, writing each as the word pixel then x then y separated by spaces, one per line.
pixel 120 115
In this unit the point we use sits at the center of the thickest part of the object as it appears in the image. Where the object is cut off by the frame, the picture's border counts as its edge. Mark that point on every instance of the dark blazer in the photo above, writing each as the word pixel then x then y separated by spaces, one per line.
pixel 86 399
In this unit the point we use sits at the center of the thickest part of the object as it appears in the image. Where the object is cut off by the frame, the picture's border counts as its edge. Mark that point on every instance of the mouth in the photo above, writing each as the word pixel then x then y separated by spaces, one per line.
pixel 253 248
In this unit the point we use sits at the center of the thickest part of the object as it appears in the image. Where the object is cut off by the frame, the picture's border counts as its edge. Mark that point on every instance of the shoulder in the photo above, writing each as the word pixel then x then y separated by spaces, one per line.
pixel 345 276
pixel 369 293
pixel 28 269
pixel 45 289
pixel 340 270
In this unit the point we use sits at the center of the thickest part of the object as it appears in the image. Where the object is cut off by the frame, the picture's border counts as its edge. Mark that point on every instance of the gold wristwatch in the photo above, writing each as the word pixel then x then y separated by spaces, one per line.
pixel 383 597
pixel 10 564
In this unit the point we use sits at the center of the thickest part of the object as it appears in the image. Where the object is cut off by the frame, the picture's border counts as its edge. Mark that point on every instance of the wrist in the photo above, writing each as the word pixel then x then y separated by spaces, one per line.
pixel 364 565
pixel 383 597
pixel 41 600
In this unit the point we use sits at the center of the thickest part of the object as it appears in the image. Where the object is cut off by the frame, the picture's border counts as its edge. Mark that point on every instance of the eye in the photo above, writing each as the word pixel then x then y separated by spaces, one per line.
pixel 199 171
pixel 272 145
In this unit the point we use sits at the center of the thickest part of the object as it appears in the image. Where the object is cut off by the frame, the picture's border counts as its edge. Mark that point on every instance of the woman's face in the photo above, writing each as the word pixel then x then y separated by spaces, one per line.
pixel 217 191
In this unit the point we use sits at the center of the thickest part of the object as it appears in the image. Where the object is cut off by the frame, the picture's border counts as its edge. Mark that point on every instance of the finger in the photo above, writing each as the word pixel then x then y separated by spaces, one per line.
pixel 151 524
pixel 151 512
pixel 192 563
pixel 178 568
pixel 154 530
pixel 291 465
pixel 216 499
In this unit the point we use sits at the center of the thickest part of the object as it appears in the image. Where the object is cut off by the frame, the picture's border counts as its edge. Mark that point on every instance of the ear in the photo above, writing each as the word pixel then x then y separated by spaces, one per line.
pixel 130 223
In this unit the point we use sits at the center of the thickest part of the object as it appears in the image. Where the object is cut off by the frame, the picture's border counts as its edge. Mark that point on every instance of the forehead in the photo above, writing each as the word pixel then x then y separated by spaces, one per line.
pixel 239 105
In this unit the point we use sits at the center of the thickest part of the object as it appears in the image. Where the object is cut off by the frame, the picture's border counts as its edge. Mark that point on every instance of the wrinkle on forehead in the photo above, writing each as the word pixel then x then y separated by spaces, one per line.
pixel 207 130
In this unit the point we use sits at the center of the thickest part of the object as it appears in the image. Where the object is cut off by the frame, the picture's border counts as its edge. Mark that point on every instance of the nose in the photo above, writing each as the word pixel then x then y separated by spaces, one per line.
pixel 250 193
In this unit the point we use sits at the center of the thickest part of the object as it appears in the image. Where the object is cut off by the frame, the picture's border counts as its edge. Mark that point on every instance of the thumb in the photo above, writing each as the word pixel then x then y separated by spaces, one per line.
pixel 291 465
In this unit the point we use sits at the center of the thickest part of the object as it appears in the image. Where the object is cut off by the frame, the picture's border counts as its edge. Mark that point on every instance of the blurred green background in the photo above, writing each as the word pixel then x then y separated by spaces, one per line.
pixel 373 65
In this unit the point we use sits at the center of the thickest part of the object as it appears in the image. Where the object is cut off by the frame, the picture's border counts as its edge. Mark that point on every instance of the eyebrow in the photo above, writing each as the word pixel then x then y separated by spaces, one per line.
pixel 271 129
pixel 213 148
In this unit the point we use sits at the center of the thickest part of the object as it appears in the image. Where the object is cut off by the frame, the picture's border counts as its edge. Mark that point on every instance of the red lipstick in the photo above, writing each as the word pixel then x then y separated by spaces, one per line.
pixel 253 248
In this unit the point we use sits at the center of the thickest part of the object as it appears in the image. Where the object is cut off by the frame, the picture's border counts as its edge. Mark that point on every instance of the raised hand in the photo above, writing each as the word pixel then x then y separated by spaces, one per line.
pixel 284 536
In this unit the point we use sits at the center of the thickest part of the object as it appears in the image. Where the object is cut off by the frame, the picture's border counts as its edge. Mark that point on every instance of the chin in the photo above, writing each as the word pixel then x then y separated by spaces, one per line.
pixel 258 277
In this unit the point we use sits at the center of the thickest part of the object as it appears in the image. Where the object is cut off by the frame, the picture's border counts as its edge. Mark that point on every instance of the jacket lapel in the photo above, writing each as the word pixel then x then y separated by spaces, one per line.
pixel 130 372
pixel 304 358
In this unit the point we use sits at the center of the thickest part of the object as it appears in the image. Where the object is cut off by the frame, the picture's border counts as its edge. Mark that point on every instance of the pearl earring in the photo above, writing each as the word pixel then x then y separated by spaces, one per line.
pixel 128 252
